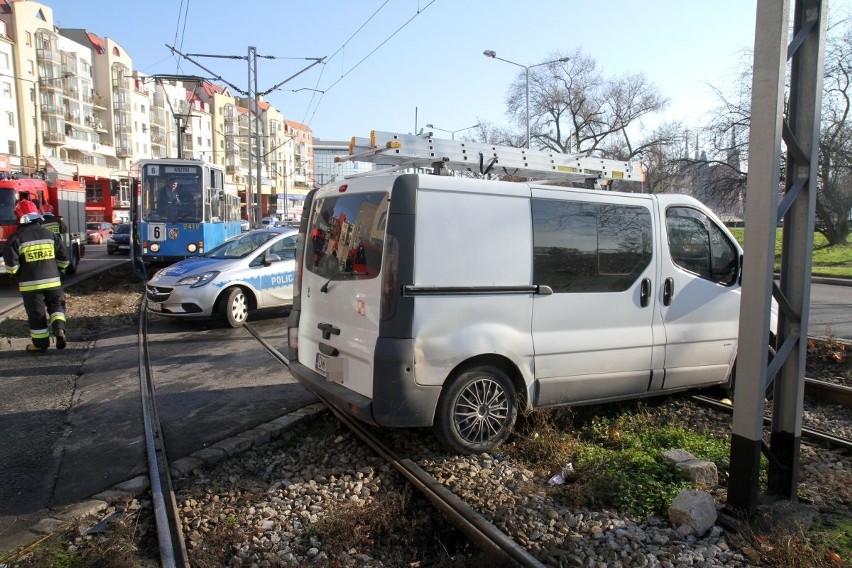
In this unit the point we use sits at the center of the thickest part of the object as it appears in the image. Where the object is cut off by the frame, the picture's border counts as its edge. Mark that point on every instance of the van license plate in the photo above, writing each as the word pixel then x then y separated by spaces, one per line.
pixel 322 364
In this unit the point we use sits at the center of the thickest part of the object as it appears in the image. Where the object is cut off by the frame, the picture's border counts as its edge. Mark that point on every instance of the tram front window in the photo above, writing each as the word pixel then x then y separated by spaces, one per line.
pixel 173 198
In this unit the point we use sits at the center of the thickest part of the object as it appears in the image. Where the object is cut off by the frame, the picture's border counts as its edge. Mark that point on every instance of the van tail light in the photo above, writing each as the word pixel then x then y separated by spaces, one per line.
pixel 390 278
pixel 300 259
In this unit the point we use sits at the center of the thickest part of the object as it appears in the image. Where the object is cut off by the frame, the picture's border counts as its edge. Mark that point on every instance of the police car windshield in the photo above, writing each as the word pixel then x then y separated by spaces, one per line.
pixel 241 245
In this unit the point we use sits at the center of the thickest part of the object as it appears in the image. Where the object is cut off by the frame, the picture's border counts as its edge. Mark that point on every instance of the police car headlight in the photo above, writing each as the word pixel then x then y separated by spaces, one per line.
pixel 198 279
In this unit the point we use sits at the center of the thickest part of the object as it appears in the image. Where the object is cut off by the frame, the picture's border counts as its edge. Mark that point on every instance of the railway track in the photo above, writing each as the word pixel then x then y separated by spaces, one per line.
pixel 170 539
pixel 499 547
pixel 820 390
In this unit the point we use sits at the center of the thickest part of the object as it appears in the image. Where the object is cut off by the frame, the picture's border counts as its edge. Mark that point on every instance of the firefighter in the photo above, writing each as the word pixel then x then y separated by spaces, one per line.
pixel 37 256
pixel 53 223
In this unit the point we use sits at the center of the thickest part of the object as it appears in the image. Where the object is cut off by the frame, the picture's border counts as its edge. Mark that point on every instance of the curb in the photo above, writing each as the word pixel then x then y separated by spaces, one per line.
pixel 62 518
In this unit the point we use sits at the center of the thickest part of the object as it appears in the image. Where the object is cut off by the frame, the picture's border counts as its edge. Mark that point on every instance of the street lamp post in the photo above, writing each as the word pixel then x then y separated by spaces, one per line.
pixel 493 55
pixel 452 133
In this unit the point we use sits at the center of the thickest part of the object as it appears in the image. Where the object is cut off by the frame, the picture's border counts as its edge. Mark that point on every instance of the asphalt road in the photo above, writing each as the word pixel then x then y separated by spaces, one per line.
pixel 71 420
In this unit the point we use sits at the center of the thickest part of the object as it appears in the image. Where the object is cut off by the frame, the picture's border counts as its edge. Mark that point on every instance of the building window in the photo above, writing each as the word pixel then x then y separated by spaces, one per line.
pixel 4 60
pixel 30 67
pixel 10 118
pixel 28 39
pixel 13 147
pixel 7 90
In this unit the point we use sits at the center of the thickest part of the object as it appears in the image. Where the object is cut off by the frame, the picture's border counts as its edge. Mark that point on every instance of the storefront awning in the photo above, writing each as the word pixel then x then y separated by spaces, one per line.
pixel 60 168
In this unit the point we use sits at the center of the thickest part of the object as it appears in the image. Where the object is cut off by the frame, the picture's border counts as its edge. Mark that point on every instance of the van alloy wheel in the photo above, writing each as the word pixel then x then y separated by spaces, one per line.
pixel 477 411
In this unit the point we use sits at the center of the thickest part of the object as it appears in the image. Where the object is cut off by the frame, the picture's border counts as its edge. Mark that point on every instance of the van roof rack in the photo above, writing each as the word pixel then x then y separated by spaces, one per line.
pixel 401 151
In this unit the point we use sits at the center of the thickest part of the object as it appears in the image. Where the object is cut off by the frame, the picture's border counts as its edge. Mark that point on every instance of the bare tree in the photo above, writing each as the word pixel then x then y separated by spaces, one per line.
pixel 574 108
pixel 726 140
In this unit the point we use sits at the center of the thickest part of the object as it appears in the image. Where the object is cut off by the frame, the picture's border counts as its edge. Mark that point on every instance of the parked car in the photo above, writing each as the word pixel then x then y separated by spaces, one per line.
pixel 97 233
pixel 245 225
pixel 253 270
pixel 119 241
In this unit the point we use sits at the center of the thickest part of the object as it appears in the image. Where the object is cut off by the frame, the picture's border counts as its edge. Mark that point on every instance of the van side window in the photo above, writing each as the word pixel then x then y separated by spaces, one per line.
pixel 698 245
pixel 589 247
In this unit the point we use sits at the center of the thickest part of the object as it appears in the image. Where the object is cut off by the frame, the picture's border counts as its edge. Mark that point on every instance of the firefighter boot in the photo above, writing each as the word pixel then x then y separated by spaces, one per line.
pixel 60 339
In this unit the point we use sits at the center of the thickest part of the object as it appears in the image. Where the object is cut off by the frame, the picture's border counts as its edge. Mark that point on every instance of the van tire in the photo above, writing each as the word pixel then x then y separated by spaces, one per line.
pixel 732 382
pixel 233 305
pixel 476 411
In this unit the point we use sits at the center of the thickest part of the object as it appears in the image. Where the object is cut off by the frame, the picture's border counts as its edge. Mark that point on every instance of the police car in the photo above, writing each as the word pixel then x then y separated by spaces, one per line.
pixel 253 270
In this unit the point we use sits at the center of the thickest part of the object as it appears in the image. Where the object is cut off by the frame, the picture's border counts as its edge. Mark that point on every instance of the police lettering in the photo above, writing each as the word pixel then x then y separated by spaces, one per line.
pixel 282 279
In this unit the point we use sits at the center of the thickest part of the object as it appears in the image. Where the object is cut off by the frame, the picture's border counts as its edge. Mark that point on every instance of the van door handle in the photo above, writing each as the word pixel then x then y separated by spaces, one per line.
pixel 645 292
pixel 328 330
pixel 668 291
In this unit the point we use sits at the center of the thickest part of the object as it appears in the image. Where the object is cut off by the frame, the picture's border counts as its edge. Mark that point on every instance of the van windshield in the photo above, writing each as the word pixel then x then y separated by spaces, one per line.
pixel 346 235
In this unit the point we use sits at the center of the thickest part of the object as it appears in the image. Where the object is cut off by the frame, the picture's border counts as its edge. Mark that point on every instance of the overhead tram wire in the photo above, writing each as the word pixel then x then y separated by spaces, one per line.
pixel 399 29
pixel 184 16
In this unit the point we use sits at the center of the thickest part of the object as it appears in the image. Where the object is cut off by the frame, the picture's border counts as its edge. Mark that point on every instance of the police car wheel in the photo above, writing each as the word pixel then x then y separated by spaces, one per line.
pixel 476 411
pixel 234 307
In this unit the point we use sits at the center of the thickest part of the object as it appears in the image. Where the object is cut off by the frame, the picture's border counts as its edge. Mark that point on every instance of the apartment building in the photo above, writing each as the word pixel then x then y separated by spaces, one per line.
pixel 74 110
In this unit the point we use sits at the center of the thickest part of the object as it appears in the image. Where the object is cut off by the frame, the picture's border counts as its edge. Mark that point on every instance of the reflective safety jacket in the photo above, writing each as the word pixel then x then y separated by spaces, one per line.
pixel 54 223
pixel 36 255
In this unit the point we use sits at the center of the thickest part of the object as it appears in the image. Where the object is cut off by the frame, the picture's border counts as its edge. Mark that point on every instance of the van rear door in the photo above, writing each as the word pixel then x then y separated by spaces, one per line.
pixel 341 289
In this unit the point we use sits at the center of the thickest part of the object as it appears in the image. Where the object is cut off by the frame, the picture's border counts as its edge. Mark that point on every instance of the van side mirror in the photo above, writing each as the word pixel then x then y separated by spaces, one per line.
pixel 740 271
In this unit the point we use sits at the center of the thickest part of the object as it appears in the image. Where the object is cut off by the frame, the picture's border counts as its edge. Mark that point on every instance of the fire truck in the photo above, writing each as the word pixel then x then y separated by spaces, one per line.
pixel 66 200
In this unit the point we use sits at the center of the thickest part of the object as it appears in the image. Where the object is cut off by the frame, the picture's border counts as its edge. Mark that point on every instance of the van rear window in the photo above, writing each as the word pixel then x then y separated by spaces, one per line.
pixel 346 235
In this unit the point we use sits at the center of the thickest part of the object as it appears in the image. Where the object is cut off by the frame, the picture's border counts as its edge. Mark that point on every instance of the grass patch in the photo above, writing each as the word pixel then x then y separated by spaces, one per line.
pixel 832 261
pixel 616 457
pixel 616 450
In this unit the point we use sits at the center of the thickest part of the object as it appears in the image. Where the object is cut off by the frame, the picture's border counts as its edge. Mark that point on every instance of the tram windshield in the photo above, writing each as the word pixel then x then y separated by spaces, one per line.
pixel 174 193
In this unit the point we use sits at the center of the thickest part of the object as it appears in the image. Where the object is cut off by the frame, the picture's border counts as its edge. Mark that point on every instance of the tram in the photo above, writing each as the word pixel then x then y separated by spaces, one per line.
pixel 181 208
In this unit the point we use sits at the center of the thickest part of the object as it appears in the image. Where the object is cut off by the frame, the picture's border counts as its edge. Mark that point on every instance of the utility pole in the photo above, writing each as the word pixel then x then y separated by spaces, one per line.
pixel 256 99
pixel 253 202
pixel 250 200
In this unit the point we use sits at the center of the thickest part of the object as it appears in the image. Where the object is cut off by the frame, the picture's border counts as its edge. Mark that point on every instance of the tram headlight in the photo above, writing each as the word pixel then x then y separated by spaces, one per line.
pixel 154 247
pixel 191 247
pixel 198 280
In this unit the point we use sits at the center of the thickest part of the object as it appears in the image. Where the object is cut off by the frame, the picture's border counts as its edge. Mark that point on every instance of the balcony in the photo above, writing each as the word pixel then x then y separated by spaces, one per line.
pixel 52 138
pixel 123 151
pixel 98 101
pixel 50 55
pixel 52 110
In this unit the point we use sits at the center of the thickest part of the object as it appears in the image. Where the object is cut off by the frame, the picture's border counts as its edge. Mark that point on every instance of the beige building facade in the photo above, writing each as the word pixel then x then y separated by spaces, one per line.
pixel 73 108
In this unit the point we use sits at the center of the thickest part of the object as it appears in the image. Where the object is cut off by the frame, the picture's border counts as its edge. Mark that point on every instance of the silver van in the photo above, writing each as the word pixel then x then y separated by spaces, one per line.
pixel 455 303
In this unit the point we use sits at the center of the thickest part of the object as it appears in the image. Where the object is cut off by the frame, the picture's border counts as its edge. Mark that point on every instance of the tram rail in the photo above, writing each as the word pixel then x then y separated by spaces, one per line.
pixel 172 545
pixel 825 391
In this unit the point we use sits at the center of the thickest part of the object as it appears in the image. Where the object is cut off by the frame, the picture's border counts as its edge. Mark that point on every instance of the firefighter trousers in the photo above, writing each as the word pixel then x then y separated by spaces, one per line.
pixel 36 302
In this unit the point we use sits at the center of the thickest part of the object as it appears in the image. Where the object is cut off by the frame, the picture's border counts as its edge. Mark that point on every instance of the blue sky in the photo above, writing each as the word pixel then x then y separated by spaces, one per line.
pixel 420 61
